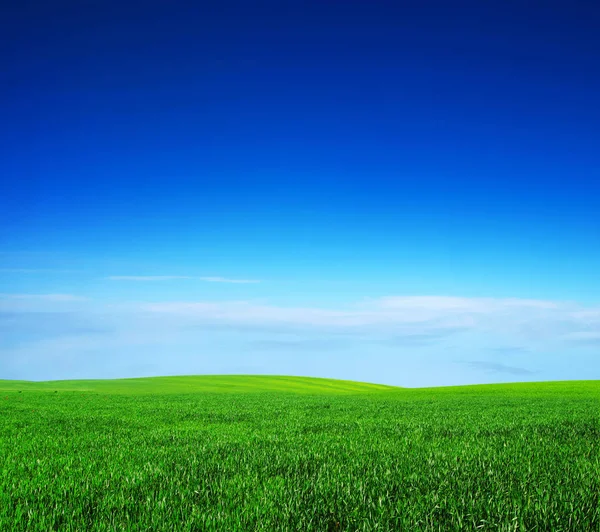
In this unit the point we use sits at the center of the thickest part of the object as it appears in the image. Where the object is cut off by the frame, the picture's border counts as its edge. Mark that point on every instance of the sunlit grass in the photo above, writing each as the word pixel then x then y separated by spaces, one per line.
pixel 236 453
pixel 199 383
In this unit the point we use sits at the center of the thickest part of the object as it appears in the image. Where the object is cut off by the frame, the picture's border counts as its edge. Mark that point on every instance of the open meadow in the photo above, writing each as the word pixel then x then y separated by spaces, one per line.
pixel 282 453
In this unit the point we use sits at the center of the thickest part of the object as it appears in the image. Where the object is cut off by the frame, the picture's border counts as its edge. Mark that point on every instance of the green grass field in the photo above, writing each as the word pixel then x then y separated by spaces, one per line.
pixel 282 453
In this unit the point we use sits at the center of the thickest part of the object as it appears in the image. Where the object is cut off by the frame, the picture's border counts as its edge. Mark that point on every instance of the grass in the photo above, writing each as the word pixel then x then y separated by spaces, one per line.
pixel 283 453
pixel 199 384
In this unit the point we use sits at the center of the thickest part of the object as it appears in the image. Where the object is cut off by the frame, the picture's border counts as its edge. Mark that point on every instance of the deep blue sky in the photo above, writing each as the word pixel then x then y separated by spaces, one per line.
pixel 335 151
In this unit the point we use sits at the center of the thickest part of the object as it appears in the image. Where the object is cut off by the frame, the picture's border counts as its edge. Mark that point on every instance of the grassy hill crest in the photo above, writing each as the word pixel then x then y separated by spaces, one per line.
pixel 276 383
pixel 200 383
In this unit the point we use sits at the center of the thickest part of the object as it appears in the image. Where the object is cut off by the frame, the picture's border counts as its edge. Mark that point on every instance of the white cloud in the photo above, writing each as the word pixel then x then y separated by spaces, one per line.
pixel 523 321
pixel 417 313
pixel 248 312
pixel 417 338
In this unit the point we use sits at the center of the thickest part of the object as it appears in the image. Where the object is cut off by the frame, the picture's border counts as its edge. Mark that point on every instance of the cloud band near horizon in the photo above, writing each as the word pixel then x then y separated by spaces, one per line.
pixel 491 338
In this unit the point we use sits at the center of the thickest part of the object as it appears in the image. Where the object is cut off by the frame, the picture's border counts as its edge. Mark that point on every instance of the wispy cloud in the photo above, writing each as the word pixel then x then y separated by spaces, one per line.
pixel 418 339
pixel 441 313
pixel 404 320
pixel 174 277
pixel 250 312
pixel 146 277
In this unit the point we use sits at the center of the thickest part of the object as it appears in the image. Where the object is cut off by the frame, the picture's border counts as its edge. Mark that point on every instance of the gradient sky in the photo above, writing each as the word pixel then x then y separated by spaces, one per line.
pixel 398 192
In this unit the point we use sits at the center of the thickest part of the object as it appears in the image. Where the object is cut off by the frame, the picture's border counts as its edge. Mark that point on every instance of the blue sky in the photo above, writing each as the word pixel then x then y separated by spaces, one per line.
pixel 406 194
